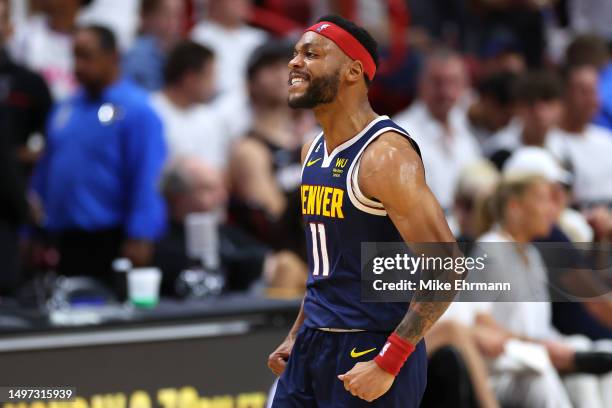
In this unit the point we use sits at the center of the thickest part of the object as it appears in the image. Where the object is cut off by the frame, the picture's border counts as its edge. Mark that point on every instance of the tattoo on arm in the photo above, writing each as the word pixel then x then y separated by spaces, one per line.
pixel 428 305
pixel 419 319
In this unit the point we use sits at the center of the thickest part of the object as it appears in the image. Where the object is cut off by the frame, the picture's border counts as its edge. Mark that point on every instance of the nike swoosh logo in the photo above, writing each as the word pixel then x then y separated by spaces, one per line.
pixel 310 163
pixel 356 354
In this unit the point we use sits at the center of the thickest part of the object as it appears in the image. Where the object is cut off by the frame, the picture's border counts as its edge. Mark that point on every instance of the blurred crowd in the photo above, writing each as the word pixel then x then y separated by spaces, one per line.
pixel 124 121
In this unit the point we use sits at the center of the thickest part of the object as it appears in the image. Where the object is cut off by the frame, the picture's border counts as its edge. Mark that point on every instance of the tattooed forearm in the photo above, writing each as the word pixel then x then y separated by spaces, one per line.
pixel 427 306
pixel 420 317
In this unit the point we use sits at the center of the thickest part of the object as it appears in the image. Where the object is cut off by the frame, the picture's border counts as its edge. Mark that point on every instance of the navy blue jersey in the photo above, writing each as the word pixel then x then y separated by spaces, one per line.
pixel 337 219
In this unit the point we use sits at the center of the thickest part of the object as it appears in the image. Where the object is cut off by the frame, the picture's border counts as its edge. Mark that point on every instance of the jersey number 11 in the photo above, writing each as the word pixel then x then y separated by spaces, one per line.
pixel 318 240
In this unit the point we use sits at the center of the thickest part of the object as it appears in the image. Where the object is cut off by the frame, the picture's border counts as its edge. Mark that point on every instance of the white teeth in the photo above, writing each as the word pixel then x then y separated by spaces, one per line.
pixel 296 81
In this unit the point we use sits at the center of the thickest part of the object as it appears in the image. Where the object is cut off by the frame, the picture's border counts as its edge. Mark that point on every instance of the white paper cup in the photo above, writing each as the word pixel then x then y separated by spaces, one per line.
pixel 143 286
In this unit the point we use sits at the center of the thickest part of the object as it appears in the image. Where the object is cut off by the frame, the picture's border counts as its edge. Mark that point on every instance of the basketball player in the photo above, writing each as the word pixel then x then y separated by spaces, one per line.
pixel 362 180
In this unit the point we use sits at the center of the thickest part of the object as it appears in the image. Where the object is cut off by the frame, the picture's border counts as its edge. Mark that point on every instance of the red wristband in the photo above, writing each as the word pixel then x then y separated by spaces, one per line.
pixel 394 354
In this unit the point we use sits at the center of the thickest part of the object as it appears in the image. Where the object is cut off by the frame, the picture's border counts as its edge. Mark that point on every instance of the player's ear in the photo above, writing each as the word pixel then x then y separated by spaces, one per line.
pixel 355 71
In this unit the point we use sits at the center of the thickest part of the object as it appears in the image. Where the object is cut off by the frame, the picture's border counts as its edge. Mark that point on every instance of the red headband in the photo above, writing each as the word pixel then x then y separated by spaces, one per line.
pixel 347 43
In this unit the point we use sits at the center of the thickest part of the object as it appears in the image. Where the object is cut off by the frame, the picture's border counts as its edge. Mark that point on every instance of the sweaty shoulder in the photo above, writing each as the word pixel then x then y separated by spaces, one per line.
pixel 388 151
pixel 388 160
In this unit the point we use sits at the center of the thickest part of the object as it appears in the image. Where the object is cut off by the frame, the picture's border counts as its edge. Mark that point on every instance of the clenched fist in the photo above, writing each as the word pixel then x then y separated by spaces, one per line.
pixel 278 359
pixel 367 380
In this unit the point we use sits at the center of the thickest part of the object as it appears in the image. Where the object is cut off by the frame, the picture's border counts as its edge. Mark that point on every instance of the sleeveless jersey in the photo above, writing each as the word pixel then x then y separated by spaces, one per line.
pixel 337 219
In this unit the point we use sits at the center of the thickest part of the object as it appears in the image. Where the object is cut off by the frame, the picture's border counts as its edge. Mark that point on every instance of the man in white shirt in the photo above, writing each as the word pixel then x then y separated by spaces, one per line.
pixel 44 44
pixel 538 100
pixel 583 147
pixel 190 126
pixel 224 31
pixel 121 16
pixel 439 126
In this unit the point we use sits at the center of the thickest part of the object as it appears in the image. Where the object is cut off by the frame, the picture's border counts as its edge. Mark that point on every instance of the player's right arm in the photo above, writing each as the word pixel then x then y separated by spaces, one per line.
pixel 392 173
pixel 277 360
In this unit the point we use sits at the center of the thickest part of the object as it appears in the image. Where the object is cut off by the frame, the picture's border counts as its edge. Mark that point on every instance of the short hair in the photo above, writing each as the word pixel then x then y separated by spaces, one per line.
pixel 499 87
pixel 587 49
pixel 568 70
pixel 106 37
pixel 359 33
pixel 187 56
pixel 174 179
pixel 538 86
pixel 269 53
pixel 441 54
pixel 510 188
pixel 149 6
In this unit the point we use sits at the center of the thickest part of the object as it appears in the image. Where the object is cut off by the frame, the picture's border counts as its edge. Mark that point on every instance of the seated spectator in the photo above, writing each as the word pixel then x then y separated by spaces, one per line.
pixel 265 168
pixel 159 32
pixel 97 179
pixel 475 344
pixel 538 110
pixel 191 127
pixel 439 126
pixel 537 160
pixel 588 49
pixel 494 107
pixel 569 266
pixel 476 182
pixel 191 186
pixel 24 104
pixel 225 32
pixel 44 44
pixel 583 147
pixel 524 210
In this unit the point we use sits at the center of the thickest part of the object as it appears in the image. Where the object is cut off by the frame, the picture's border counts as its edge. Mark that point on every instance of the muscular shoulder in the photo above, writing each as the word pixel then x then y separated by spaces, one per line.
pixel 390 156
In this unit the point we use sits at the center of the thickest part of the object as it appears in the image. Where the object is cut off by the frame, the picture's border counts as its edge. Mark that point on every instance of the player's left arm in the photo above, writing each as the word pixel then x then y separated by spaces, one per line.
pixel 392 172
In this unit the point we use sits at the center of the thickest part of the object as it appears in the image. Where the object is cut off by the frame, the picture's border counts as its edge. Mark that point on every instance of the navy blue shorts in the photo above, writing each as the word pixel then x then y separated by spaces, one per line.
pixel 311 379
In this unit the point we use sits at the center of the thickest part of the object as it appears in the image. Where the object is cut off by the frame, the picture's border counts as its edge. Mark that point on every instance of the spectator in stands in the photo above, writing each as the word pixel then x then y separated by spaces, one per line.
pixel 538 160
pixel 439 126
pixel 583 147
pixel 569 266
pixel 476 182
pixel 191 126
pixel 191 186
pixel 265 166
pixel 24 104
pixel 98 177
pixel 120 16
pixel 24 97
pixel 522 20
pixel 494 107
pixel 44 44
pixel 524 210
pixel 500 54
pixel 592 50
pixel 160 31
pixel 538 110
pixel 475 344
pixel 225 32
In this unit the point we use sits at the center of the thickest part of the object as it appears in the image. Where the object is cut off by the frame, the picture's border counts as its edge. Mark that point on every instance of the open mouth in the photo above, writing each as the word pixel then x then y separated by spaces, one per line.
pixel 296 80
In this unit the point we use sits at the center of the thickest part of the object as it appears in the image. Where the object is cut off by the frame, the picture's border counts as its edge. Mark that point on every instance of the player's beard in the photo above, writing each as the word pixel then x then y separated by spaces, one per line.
pixel 320 90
